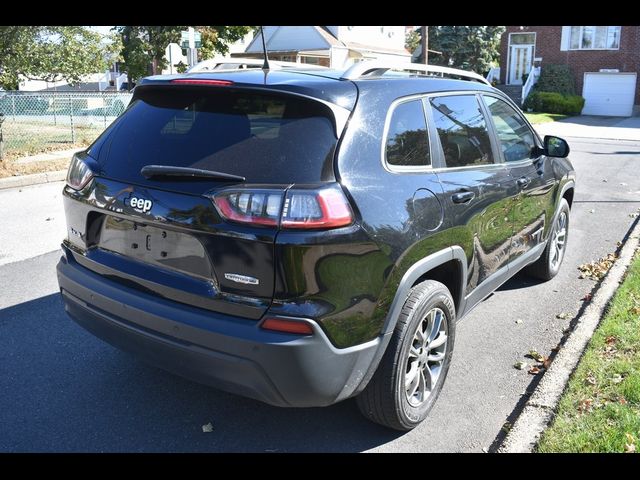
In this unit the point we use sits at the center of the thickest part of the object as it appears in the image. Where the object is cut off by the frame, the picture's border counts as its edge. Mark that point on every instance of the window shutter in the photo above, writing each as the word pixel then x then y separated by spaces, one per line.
pixel 565 38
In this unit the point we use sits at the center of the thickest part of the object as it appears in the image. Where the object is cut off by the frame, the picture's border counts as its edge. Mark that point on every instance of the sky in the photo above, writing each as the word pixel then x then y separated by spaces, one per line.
pixel 105 30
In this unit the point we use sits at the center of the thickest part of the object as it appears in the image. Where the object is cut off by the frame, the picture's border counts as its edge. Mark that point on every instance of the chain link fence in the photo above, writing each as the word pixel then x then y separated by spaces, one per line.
pixel 36 122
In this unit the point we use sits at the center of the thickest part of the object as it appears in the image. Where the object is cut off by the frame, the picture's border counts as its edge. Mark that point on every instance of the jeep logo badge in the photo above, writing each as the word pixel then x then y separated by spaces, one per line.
pixel 141 204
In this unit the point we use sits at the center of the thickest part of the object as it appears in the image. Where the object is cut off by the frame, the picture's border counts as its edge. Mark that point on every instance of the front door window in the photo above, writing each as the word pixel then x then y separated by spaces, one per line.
pixel 521 61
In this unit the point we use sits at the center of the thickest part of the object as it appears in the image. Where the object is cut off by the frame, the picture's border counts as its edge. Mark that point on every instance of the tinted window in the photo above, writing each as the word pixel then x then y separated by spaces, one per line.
pixel 516 138
pixel 407 141
pixel 462 130
pixel 263 137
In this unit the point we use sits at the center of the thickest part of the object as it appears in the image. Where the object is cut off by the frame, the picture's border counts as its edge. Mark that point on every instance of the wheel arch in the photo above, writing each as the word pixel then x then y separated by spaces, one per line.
pixel 422 270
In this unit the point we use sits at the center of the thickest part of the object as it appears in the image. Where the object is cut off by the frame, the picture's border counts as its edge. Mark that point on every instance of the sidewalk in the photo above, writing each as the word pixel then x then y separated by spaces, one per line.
pixel 42 177
pixel 43 157
pixel 611 128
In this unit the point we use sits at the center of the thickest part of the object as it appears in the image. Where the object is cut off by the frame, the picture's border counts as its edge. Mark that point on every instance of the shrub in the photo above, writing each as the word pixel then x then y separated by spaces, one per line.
pixel 553 102
pixel 556 78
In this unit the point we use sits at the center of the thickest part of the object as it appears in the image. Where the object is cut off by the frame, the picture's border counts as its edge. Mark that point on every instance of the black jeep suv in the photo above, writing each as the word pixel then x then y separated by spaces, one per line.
pixel 303 237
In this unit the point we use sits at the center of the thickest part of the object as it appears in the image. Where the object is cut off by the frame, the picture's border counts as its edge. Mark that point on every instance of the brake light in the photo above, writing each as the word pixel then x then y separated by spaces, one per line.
pixel 299 208
pixel 202 81
pixel 299 327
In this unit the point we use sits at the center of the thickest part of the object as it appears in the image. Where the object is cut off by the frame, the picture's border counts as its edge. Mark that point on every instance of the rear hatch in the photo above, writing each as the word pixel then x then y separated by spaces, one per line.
pixel 162 232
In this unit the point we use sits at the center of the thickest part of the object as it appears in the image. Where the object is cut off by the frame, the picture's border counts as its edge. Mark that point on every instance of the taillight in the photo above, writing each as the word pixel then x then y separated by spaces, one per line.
pixel 79 172
pixel 257 207
pixel 326 208
pixel 299 208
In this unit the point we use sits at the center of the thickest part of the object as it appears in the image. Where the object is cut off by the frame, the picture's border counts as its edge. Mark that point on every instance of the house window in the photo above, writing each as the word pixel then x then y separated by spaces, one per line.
pixel 595 38
pixel 523 39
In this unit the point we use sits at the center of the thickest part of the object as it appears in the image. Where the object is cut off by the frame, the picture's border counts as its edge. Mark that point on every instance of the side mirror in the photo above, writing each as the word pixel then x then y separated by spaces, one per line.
pixel 555 147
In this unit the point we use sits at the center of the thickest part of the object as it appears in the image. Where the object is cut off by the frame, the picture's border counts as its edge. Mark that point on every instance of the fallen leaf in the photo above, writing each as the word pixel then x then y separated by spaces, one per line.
pixel 208 428
pixel 506 427
pixel 520 365
pixel 585 405
pixel 610 340
pixel 535 355
pixel 534 370
pixel 591 380
pixel 564 315
pixel 617 378
pixel 629 447
pixel 597 269
pixel 622 401
pixel 546 363
pixel 587 297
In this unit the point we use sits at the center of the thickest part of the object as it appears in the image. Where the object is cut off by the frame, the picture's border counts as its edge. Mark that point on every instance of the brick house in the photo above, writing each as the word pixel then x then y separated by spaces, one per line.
pixel 605 61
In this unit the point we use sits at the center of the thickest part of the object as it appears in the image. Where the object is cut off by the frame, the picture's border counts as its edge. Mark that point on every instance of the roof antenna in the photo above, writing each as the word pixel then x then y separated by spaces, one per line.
pixel 265 65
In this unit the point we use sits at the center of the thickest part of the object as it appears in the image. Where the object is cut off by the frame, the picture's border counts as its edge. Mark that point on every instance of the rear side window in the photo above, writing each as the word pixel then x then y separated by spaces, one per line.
pixel 407 142
pixel 462 130
pixel 261 136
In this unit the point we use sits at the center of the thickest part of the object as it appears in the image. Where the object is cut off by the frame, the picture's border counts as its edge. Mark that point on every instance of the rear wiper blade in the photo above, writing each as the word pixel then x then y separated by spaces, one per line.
pixel 150 171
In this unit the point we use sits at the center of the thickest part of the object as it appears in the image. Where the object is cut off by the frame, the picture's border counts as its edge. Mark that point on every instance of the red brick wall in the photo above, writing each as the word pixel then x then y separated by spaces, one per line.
pixel 626 59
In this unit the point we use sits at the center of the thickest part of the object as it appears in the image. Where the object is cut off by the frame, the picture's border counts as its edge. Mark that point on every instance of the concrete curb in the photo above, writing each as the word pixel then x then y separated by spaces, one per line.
pixel 33 179
pixel 540 408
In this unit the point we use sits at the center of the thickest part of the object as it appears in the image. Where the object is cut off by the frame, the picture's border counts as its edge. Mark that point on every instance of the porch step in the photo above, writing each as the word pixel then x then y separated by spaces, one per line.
pixel 514 92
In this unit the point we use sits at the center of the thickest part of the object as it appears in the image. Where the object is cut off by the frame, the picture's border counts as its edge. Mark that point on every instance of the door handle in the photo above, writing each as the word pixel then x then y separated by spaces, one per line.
pixel 462 197
pixel 523 182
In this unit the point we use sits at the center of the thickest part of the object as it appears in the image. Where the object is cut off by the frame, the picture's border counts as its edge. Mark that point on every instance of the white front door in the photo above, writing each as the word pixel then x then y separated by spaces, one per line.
pixel 521 62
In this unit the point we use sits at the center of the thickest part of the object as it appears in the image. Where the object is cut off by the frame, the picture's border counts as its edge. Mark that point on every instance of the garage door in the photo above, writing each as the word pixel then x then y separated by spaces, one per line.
pixel 609 94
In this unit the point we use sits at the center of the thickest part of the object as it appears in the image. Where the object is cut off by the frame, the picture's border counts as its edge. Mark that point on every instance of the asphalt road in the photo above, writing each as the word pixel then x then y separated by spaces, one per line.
pixel 61 389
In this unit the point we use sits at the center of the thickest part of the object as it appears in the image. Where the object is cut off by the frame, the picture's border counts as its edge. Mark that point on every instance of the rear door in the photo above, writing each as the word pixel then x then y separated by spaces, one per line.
pixel 202 241
pixel 533 208
pixel 477 186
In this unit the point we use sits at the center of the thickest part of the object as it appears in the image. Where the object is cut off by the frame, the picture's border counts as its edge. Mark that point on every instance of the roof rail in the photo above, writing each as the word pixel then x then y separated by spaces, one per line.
pixel 243 63
pixel 378 67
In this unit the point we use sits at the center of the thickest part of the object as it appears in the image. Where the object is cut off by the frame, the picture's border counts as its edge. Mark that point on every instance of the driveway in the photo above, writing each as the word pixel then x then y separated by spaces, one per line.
pixel 594 126
pixel 64 390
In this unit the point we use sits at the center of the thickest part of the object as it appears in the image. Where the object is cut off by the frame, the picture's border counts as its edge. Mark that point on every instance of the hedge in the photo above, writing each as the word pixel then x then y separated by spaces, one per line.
pixel 556 78
pixel 553 102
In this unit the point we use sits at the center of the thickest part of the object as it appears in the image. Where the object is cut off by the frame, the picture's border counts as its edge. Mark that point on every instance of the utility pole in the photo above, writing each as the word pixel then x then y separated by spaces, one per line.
pixel 425 45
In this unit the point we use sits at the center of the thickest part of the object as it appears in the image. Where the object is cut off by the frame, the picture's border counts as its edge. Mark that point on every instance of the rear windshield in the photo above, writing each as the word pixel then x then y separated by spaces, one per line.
pixel 261 136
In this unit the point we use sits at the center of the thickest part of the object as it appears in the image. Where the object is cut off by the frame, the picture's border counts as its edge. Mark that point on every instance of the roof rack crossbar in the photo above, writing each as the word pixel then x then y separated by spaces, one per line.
pixel 209 65
pixel 378 67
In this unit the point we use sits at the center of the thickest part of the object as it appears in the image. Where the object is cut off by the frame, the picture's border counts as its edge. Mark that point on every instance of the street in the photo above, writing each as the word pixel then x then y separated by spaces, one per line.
pixel 61 389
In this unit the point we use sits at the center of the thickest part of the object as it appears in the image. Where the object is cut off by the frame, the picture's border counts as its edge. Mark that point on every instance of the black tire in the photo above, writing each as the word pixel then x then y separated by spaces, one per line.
pixel 544 268
pixel 385 400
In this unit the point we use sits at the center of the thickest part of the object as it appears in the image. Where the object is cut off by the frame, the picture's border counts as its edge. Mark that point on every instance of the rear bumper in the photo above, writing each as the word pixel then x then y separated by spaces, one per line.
pixel 229 353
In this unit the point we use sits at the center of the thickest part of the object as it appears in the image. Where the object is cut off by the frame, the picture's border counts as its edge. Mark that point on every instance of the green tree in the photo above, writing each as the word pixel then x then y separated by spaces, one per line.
pixel 143 47
pixel 468 48
pixel 50 53
pixel 216 39
pixel 412 40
